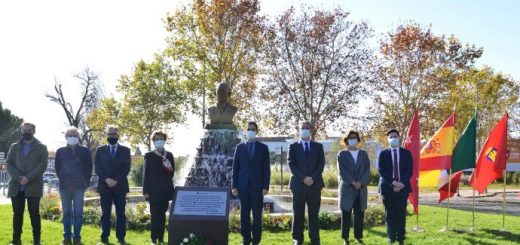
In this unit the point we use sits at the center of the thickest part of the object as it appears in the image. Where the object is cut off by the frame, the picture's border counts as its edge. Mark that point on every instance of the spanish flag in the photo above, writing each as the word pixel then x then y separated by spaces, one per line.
pixel 436 154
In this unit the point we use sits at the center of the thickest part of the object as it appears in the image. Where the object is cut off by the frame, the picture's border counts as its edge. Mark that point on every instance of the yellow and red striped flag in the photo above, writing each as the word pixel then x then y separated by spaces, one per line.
pixel 436 154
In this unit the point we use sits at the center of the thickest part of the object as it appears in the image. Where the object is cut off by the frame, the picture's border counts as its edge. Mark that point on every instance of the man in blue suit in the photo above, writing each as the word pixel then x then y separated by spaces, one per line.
pixel 306 159
pixel 395 170
pixel 112 165
pixel 251 176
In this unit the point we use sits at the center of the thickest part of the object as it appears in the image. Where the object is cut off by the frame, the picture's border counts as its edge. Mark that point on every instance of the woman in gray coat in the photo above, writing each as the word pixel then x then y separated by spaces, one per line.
pixel 354 170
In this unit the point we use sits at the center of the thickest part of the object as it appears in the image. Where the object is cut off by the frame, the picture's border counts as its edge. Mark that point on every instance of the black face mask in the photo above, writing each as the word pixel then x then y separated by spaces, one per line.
pixel 112 141
pixel 27 136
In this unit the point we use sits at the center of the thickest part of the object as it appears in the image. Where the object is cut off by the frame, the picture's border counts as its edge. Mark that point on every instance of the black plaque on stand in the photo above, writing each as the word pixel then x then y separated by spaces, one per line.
pixel 203 211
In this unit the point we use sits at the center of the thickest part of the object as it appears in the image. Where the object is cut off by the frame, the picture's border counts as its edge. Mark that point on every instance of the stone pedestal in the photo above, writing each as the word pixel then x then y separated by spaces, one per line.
pixel 213 166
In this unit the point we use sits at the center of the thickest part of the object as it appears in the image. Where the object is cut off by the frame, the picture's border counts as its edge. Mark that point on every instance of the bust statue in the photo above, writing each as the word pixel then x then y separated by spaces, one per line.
pixel 221 115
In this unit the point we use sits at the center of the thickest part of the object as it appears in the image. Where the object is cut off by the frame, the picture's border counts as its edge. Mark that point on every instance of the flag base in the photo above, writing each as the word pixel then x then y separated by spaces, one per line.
pixel 418 229
pixel 473 230
pixel 444 229
pixel 504 230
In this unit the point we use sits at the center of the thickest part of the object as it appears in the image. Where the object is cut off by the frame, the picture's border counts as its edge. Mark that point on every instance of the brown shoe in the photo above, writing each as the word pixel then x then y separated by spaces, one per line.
pixel 77 241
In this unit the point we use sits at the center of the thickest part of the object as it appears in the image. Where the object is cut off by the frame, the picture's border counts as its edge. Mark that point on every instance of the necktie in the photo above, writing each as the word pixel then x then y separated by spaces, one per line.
pixel 250 150
pixel 113 151
pixel 396 168
pixel 307 148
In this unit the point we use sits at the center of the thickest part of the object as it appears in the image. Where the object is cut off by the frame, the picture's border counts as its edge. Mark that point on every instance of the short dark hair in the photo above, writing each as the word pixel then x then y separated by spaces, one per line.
pixel 354 133
pixel 28 124
pixel 392 131
pixel 158 133
pixel 253 123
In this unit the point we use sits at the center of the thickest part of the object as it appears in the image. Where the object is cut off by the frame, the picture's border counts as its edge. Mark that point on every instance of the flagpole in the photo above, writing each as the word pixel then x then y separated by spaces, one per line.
pixel 473 228
pixel 504 204
pixel 446 227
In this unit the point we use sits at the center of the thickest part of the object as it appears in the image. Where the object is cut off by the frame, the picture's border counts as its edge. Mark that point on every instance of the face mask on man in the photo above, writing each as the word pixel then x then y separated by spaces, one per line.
pixel 159 144
pixel 112 141
pixel 352 142
pixel 394 142
pixel 251 135
pixel 305 133
pixel 27 136
pixel 72 140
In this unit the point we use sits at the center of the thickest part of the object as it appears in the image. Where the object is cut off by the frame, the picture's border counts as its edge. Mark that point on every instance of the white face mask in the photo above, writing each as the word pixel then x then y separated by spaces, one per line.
pixel 72 140
pixel 352 142
pixel 305 133
pixel 159 144
pixel 394 142
pixel 251 135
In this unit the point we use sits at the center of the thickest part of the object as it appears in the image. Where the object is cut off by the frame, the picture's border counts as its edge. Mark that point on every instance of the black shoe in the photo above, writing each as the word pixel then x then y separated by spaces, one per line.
pixel 18 242
pixel 345 242
pixel 121 242
pixel 401 242
pixel 359 241
pixel 103 242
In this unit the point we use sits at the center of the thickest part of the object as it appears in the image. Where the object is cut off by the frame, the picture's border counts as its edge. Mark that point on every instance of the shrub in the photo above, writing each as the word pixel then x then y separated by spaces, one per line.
pixel 234 221
pixel 375 216
pixel 276 223
pixel 136 172
pixel 330 177
pixel 276 178
pixel 329 221
pixel 373 178
pixel 137 219
pixel 50 207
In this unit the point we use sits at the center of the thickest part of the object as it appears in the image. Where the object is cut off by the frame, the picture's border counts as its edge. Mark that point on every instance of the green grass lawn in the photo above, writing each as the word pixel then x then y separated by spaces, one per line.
pixel 431 219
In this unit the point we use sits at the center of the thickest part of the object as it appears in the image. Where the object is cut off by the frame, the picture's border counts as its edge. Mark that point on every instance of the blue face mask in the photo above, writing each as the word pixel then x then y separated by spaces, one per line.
pixel 394 142
pixel 352 142
pixel 159 144
pixel 251 135
pixel 305 133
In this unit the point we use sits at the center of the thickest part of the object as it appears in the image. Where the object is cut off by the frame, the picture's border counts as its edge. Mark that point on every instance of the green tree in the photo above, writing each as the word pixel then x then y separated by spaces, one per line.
pixel 416 70
pixel 492 93
pixel 214 41
pixel 318 63
pixel 153 99
pixel 9 129
pixel 108 112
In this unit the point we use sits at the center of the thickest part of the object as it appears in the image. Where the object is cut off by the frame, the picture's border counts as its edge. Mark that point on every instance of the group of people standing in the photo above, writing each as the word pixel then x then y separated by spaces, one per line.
pixel 27 161
pixel 306 159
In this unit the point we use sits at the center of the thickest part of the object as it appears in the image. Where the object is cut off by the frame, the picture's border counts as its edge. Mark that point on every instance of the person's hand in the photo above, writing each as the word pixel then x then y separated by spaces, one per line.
pixel 357 185
pixel 110 182
pixel 396 189
pixel 23 180
pixel 264 192
pixel 400 185
pixel 234 191
pixel 308 181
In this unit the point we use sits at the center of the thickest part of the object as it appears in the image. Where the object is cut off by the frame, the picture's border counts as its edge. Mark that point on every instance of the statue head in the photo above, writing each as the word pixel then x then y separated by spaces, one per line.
pixel 223 92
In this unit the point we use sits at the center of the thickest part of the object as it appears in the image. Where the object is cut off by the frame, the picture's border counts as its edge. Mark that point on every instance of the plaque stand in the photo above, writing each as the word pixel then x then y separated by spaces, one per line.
pixel 203 211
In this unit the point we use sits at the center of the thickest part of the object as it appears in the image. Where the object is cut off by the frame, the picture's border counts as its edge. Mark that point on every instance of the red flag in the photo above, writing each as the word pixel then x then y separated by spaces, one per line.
pixel 444 190
pixel 491 161
pixel 413 144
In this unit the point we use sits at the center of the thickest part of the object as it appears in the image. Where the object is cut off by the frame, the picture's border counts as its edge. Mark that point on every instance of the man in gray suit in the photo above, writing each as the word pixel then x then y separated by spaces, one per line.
pixel 306 160
pixel 354 170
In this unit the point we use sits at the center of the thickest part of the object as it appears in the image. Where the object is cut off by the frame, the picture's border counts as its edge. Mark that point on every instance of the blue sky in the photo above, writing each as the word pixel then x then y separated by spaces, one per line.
pixel 41 40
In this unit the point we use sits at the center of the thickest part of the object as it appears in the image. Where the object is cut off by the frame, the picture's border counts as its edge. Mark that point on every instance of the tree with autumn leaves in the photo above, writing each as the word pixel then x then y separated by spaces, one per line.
pixel 314 65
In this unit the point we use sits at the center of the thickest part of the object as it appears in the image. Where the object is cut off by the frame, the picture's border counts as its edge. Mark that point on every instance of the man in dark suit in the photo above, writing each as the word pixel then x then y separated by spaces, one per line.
pixel 395 167
pixel 112 165
pixel 251 176
pixel 306 160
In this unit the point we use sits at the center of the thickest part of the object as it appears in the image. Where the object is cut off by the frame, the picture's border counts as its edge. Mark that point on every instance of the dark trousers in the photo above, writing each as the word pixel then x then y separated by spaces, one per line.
pixel 119 201
pixel 33 203
pixel 251 201
pixel 395 212
pixel 158 220
pixel 311 197
pixel 346 219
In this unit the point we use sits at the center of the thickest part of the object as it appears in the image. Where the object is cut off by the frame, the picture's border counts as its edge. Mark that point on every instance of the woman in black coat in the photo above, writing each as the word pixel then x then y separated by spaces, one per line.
pixel 158 184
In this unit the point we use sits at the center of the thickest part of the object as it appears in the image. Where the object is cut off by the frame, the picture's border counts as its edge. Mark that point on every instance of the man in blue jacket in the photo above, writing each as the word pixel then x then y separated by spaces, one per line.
pixel 112 165
pixel 251 176
pixel 395 170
